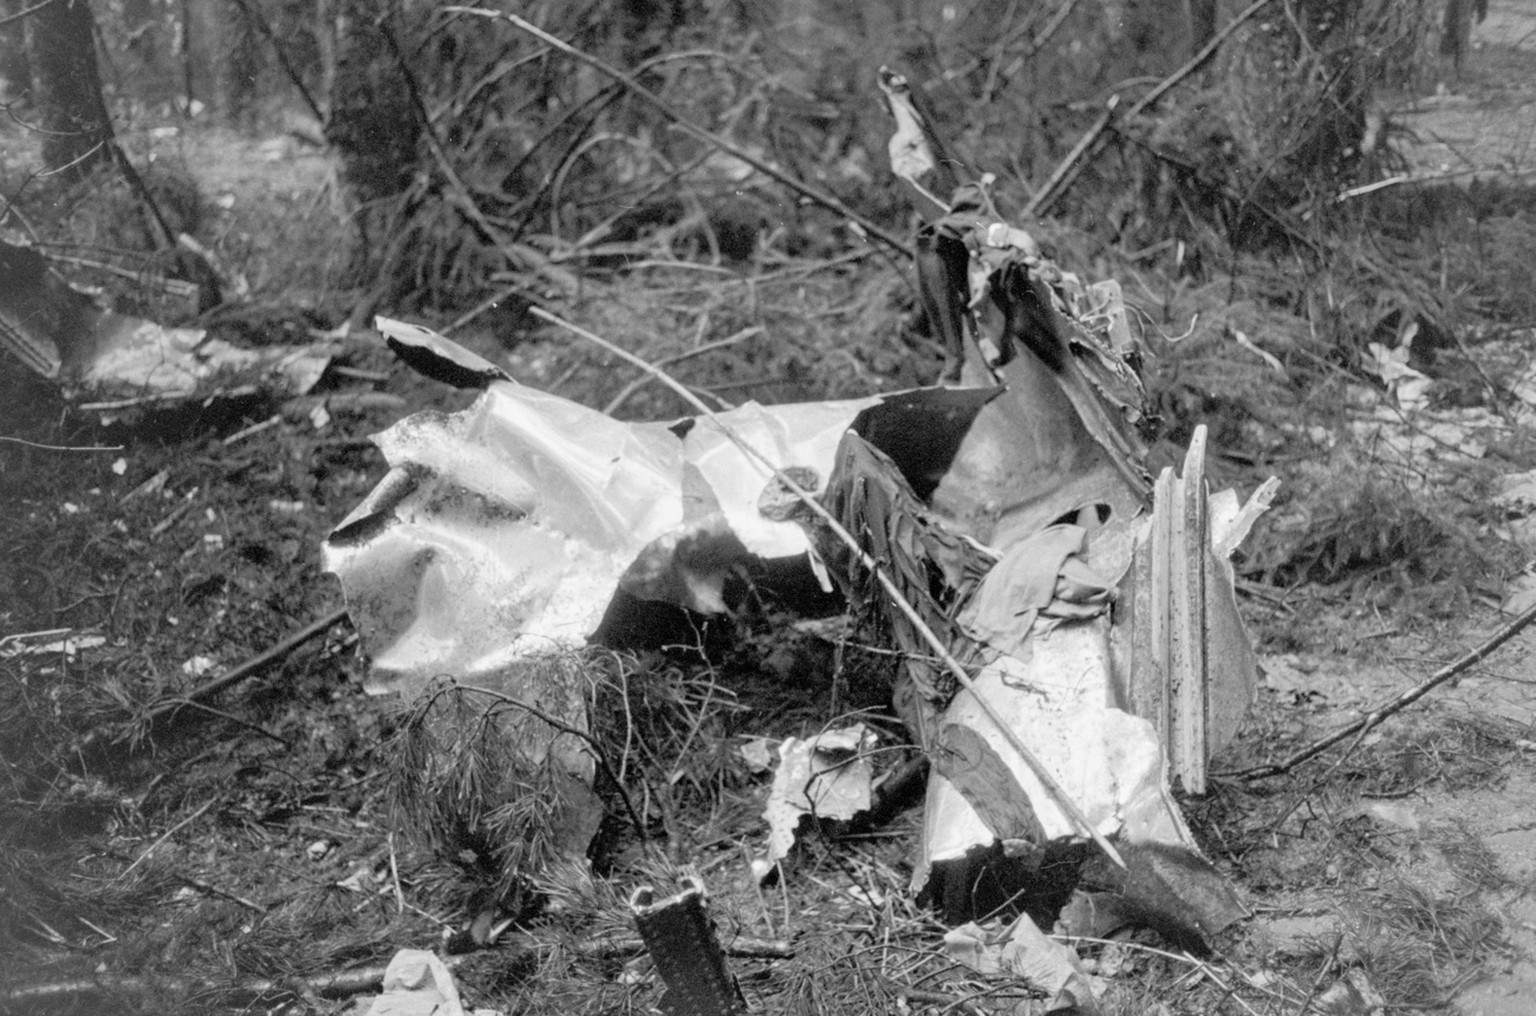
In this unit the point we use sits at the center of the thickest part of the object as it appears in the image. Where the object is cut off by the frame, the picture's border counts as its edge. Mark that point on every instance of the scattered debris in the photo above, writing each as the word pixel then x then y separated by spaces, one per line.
pixel 568 507
pixel 113 364
pixel 822 777
pixel 1067 628
pixel 70 645
pixel 417 983
pixel 1022 950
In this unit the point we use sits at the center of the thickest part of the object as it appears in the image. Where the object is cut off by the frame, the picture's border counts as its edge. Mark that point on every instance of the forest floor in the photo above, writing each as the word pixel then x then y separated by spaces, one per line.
pixel 1482 125
pixel 251 843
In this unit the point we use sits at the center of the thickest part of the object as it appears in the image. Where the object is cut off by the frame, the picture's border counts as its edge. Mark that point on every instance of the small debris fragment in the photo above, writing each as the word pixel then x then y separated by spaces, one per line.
pixel 680 935
pixel 197 666
pixel 417 983
pixel 1022 950
pixel 826 776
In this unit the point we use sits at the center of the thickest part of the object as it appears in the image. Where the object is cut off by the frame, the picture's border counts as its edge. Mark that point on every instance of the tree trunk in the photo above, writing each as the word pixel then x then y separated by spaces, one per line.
pixel 62 46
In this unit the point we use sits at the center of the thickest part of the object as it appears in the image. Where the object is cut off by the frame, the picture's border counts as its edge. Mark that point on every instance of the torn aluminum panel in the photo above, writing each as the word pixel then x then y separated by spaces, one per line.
pixel 1063 448
pixel 1059 701
pixel 1185 661
pixel 507 528
pixel 108 362
pixel 1097 704
pixel 1022 950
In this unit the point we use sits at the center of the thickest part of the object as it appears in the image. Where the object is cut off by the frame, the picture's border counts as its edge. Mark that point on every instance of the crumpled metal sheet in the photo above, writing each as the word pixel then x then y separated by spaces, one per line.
pixel 1104 711
pixel 1022 950
pixel 107 362
pixel 127 361
pixel 1109 762
pixel 506 529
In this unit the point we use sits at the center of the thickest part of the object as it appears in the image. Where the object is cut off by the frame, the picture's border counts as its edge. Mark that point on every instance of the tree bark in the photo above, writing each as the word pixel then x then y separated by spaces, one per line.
pixel 62 46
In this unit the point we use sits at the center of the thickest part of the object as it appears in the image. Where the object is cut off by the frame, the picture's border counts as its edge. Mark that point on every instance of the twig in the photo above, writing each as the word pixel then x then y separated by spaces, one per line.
pixel 1407 698
pixel 598 755
pixel 256 664
pixel 199 885
pixel 709 137
pixel 24 12
pixel 1414 179
pixel 1057 20
pixel 1068 171
pixel 394 875
pixel 61 448
pixel 262 25
pixel 593 105
pixel 163 837
pixel 471 209
pixel 252 430
pixel 489 303
pixel 923 996
pixel 1047 781
pixel 1071 165
pixel 709 347
pixel 221 714
pixel 1317 982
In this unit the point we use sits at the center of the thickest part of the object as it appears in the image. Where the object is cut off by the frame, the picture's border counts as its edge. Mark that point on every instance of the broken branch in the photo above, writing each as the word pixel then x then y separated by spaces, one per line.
pixel 25 11
pixel 708 347
pixel 1401 702
pixel 1053 789
pixel 1066 174
pixel 254 665
pixel 205 888
pixel 817 195
pixel 294 77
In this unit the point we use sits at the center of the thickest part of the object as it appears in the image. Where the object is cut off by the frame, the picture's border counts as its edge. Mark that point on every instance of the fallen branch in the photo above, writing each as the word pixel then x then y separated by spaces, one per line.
pixel 926 997
pixel 1053 789
pixel 254 665
pixel 25 11
pixel 165 836
pixel 820 197
pixel 1396 705
pixel 205 888
pixel 1072 164
pixel 294 77
pixel 1066 174
pixel 708 347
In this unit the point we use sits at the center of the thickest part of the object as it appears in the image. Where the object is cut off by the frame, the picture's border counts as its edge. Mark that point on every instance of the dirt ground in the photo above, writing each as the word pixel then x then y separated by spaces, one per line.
pixel 1482 121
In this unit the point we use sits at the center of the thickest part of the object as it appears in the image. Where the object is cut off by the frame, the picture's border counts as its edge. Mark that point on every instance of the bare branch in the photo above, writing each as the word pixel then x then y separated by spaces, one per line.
pixel 24 12
pixel 1066 174
pixel 1396 705
pixel 767 168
